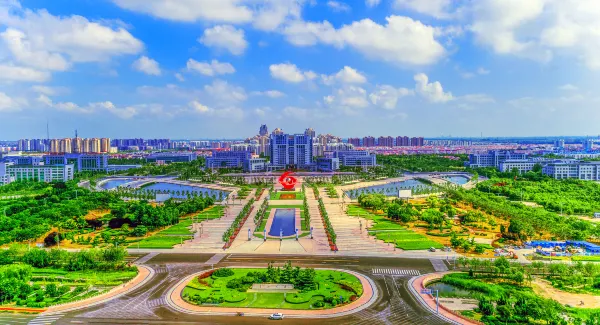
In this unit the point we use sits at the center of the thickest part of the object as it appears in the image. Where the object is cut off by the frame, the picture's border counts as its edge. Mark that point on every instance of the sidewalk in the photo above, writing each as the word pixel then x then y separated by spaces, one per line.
pixel 368 297
pixel 419 283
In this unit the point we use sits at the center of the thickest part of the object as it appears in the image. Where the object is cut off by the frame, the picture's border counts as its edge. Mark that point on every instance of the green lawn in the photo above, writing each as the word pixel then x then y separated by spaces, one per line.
pixel 276 196
pixel 71 285
pixel 175 234
pixel 392 232
pixel 328 285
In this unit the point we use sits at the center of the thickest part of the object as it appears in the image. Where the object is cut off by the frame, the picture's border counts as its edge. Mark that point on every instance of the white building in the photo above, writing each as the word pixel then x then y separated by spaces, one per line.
pixel 255 165
pixel 4 177
pixel 493 158
pixel 573 169
pixel 523 165
pixel 47 174
pixel 356 158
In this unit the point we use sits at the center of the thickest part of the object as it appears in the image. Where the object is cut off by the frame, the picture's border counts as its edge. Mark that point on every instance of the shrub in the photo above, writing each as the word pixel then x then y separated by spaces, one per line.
pixel 223 272
pixel 319 304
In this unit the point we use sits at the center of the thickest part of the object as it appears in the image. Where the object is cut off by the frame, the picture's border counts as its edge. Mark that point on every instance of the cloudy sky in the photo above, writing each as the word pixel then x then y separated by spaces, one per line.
pixel 220 68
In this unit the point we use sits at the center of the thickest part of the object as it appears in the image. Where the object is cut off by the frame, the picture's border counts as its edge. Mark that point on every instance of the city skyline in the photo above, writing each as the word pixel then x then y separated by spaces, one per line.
pixel 119 69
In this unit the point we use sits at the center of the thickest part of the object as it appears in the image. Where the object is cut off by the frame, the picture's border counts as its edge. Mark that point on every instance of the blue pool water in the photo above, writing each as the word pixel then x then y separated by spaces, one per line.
pixel 284 219
pixel 459 180
pixel 110 184
pixel 390 189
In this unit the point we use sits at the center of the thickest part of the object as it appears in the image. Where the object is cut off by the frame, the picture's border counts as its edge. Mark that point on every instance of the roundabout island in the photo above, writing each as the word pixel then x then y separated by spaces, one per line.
pixel 294 291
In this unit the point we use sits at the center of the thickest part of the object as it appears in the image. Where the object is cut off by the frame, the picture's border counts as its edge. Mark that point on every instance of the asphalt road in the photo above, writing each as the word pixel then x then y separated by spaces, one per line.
pixel 147 304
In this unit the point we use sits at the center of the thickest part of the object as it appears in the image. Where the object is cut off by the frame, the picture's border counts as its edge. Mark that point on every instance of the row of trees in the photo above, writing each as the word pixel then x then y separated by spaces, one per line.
pixel 424 163
pixel 237 223
pixel 306 224
pixel 108 258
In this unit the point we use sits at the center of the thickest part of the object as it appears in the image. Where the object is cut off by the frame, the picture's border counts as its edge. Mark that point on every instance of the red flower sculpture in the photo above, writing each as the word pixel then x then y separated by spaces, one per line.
pixel 287 181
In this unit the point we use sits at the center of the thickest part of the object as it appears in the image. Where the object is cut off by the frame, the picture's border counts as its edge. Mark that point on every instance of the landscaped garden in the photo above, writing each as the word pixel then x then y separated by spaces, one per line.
pixel 307 288
pixel 391 231
pixel 38 278
pixel 283 195
pixel 508 293
pixel 178 233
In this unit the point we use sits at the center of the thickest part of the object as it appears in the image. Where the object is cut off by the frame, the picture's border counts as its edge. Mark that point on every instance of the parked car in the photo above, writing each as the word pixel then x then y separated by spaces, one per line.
pixel 432 249
pixel 276 316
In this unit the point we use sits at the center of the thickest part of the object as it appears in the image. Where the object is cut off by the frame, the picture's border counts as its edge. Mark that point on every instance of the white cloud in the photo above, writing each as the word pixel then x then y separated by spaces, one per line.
pixel 210 69
pixel 568 87
pixel 47 41
pixel 540 29
pixel 274 13
pixel 432 92
pixel 401 40
pixel 348 97
pixel 199 108
pixel 230 11
pixel 269 93
pixel 127 112
pixel 179 77
pixel 296 113
pixel 262 111
pixel 225 37
pixel 24 74
pixel 147 65
pixel 372 3
pixel 290 73
pixel 338 6
pixel 124 113
pixel 435 8
pixel 483 71
pixel 476 99
pixel 347 75
pixel 23 51
pixel 8 103
pixel 387 96
pixel 224 93
pixel 49 91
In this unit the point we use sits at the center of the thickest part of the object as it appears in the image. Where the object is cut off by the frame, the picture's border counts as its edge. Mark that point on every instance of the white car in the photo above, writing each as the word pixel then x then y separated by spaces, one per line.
pixel 276 316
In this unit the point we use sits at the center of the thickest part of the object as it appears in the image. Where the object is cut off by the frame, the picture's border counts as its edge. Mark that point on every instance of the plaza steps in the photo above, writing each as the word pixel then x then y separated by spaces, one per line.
pixel 348 230
pixel 211 237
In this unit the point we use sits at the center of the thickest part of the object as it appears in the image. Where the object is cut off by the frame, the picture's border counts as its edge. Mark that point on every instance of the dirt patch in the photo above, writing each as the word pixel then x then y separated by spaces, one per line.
pixel 545 289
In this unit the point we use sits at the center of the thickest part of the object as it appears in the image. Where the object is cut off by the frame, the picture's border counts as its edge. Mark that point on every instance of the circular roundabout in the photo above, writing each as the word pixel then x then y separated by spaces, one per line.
pixel 315 293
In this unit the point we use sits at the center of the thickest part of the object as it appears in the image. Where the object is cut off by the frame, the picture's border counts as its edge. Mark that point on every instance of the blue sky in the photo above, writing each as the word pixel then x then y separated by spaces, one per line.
pixel 220 68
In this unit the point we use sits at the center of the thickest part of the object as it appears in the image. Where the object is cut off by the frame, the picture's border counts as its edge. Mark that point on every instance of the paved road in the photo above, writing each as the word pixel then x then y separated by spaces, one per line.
pixel 147 305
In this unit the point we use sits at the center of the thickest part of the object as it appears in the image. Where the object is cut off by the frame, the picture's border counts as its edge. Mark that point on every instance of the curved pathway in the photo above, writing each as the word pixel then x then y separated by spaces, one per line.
pixel 418 283
pixel 368 297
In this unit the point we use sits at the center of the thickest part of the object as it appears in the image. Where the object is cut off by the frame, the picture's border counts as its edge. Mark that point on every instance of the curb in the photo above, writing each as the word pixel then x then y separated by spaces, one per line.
pixel 358 308
pixel 424 304
pixel 140 284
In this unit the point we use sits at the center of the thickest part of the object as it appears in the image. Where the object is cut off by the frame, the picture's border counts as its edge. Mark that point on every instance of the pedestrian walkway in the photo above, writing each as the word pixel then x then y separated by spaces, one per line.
pixel 44 319
pixel 208 236
pixel 351 232
pixel 438 265
pixel 145 258
pixel 10 318
pixel 215 259
pixel 395 272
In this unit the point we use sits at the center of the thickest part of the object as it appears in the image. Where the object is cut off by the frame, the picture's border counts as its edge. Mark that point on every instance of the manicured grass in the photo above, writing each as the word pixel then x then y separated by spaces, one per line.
pixel 73 285
pixel 277 196
pixel 328 285
pixel 392 232
pixel 175 234
pixel 158 241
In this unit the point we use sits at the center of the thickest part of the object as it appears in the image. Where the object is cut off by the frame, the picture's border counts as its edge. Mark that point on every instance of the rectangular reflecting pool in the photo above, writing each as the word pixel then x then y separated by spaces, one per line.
pixel 284 219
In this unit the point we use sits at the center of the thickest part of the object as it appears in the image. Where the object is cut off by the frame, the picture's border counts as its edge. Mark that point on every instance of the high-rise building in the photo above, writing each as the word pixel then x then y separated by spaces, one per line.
pixel 86 147
pixel 104 145
pixel 264 131
pixel 368 141
pixel 65 146
pixel 417 142
pixel 354 141
pixel 559 144
pixel 77 145
pixel 385 142
pixel 402 141
pixel 54 145
pixel 310 132
pixel 95 145
pixel 588 145
pixel 277 131
pixel 296 150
